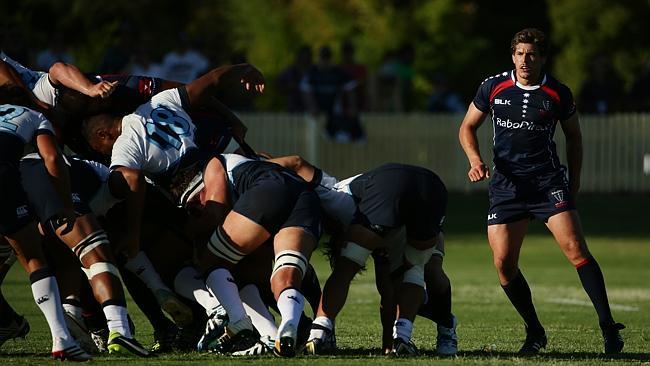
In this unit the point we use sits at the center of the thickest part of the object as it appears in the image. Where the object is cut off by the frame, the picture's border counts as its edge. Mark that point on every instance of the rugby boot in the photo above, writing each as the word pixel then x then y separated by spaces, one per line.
pixel 17 328
pixel 119 344
pixel 173 306
pixel 100 338
pixel 321 346
pixel 447 340
pixel 215 327
pixel 164 338
pixel 79 332
pixel 237 337
pixel 534 342
pixel 262 347
pixel 401 348
pixel 69 351
pixel 285 342
pixel 612 338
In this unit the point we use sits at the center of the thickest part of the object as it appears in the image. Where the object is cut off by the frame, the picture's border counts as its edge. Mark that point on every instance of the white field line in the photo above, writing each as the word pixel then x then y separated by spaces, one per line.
pixel 588 303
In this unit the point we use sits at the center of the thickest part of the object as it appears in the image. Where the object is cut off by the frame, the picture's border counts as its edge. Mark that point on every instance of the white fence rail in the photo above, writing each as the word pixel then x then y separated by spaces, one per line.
pixel 616 159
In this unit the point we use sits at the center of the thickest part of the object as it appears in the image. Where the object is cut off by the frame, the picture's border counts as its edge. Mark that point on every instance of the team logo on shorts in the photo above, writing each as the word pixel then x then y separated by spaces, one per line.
pixel 559 198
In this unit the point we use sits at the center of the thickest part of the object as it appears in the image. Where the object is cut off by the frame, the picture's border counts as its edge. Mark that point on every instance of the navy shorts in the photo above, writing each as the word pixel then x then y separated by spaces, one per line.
pixel 275 198
pixel 515 198
pixel 44 199
pixel 395 195
pixel 14 209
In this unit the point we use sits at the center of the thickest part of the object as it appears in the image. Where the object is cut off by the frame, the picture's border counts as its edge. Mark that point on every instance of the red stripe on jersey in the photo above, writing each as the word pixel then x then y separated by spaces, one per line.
pixel 500 87
pixel 551 93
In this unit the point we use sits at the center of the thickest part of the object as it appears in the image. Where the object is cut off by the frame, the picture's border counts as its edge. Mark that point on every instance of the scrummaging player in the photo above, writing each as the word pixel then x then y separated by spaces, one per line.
pixel 20 126
pixel 158 140
pixel 44 86
pixel 390 267
pixel 367 208
pixel 528 180
pixel 87 240
pixel 12 325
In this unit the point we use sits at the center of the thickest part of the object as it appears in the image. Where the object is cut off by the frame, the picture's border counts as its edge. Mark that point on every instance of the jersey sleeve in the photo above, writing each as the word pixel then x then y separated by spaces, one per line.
pixel 169 97
pixel 482 98
pixel 567 103
pixel 128 151
pixel 41 124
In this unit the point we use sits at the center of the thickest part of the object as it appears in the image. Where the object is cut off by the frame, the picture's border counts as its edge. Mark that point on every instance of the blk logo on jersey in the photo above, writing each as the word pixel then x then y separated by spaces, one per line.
pixel 502 101
pixel 492 217
pixel 559 198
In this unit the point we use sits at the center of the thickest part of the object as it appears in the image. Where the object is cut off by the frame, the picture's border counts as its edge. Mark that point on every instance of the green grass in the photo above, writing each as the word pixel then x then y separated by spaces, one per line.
pixel 489 330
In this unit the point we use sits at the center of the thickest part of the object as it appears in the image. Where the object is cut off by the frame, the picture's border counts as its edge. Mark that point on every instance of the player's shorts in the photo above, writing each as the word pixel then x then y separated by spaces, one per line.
pixel 45 91
pixel 14 209
pixel 513 199
pixel 393 195
pixel 275 198
pixel 42 196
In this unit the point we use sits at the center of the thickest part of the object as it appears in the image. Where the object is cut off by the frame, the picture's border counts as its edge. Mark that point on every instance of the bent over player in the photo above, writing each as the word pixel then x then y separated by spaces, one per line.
pixel 528 180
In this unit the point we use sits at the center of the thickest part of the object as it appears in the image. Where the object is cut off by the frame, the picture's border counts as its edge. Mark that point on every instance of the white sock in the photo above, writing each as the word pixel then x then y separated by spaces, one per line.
pixel 403 328
pixel 142 267
pixel 46 296
pixel 324 322
pixel 290 303
pixel 117 320
pixel 189 284
pixel 258 312
pixel 223 287
pixel 72 306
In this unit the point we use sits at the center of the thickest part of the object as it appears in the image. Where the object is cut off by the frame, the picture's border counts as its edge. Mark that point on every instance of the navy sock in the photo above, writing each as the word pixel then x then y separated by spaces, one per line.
pixel 521 298
pixel 594 284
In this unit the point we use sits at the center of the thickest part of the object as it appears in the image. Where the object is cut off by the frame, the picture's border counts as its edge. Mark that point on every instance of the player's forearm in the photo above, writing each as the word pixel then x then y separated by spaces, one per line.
pixel 574 160
pixel 469 142
pixel 70 76
pixel 135 207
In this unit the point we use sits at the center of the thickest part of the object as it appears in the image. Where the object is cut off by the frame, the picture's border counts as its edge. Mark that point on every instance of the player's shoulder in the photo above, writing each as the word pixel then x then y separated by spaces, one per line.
pixel 557 85
pixel 496 79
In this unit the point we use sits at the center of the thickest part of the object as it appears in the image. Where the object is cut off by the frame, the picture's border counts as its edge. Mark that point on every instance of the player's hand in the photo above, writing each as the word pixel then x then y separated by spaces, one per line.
pixel 250 78
pixel 478 172
pixel 102 89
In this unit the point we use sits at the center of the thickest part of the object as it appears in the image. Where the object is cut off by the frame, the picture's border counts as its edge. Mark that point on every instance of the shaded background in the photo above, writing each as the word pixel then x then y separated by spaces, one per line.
pixel 597 45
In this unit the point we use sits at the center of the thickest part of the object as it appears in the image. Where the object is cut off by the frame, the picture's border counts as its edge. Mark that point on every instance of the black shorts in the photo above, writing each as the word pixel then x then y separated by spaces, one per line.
pixel 393 195
pixel 514 198
pixel 14 209
pixel 42 196
pixel 275 198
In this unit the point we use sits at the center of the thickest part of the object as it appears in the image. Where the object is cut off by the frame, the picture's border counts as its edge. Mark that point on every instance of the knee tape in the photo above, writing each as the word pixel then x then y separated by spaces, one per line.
pixel 414 275
pixel 220 246
pixel 89 243
pixel 102 267
pixel 356 253
pixel 290 258
pixel 417 257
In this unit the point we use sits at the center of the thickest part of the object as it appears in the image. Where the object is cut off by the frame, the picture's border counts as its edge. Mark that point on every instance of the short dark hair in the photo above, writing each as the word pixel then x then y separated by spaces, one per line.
pixel 530 35
pixel 16 95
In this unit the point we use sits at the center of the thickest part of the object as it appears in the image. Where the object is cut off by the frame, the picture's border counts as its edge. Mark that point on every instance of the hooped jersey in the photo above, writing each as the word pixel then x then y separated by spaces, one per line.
pixel 19 126
pixel 156 136
pixel 524 119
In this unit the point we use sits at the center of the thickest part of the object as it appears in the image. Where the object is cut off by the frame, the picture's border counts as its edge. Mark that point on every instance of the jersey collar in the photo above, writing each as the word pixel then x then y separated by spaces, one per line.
pixel 526 87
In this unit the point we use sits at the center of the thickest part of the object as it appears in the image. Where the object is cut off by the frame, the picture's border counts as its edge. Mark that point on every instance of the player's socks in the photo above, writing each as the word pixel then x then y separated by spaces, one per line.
pixel 521 298
pixel 310 288
pixel 403 329
pixel 441 309
pixel 72 306
pixel 190 284
pixel 116 317
pixel 290 303
pixel 145 299
pixel 594 284
pixel 46 296
pixel 258 312
pixel 141 266
pixel 319 326
pixel 223 287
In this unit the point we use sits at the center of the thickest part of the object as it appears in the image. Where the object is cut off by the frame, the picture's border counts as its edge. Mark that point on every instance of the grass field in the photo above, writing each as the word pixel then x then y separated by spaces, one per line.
pixel 489 329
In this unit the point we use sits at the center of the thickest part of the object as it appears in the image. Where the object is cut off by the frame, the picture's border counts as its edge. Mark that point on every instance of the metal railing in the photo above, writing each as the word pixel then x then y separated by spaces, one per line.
pixel 616 147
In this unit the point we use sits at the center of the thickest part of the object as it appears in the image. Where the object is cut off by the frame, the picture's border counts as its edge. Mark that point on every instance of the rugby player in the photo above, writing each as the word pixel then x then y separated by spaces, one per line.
pixel 529 182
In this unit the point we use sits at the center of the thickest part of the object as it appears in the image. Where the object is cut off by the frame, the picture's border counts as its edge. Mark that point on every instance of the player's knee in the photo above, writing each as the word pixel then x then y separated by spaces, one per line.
pixel 98 268
pixel 505 266
pixel 89 244
pixel 222 247
pixel 414 275
pixel 355 253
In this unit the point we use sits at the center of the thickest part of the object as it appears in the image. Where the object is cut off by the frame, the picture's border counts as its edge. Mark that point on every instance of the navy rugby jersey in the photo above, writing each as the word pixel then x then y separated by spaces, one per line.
pixel 524 119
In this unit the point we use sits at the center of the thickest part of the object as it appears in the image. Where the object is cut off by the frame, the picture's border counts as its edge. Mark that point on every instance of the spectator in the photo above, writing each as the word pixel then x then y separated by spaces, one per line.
pixel 325 87
pixel 598 94
pixel 185 63
pixel 355 71
pixel 288 81
pixel 443 99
